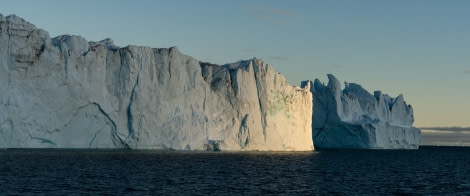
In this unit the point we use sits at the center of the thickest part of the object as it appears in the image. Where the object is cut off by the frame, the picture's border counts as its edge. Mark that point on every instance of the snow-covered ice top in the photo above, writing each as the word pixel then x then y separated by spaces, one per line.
pixel 242 64
pixel 79 44
pixel 108 43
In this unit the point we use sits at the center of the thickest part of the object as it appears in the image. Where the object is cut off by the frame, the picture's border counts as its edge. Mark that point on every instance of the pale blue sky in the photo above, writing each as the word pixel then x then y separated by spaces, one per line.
pixel 419 48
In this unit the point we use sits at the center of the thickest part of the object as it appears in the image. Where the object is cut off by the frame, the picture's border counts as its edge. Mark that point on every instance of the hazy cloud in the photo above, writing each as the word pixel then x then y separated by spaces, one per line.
pixel 466 72
pixel 278 58
pixel 335 65
pixel 269 14
pixel 453 129
pixel 445 136
pixel 369 20
pixel 266 19
pixel 274 11
pixel 250 50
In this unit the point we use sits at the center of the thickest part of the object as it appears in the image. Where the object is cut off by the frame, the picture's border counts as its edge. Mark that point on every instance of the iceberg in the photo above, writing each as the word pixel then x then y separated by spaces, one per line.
pixel 67 92
pixel 354 118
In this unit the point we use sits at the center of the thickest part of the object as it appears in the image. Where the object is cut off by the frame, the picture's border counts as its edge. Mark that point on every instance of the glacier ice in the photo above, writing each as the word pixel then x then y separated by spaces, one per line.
pixel 354 118
pixel 66 92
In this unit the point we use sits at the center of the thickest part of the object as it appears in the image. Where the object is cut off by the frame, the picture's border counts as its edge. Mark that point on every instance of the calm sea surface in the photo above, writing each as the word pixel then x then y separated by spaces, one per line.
pixel 427 171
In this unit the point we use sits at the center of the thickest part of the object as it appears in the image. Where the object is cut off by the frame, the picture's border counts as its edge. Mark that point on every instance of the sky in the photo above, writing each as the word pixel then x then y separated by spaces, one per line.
pixel 418 48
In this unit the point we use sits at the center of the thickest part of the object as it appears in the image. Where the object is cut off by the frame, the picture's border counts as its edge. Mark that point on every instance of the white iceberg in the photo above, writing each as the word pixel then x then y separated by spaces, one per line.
pixel 67 92
pixel 354 118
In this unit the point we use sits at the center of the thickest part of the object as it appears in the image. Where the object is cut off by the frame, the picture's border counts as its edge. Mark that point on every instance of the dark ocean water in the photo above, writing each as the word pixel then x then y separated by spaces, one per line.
pixel 427 171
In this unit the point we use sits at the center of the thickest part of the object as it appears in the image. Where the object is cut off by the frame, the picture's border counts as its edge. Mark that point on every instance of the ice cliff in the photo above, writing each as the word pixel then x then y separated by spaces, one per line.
pixel 66 92
pixel 354 118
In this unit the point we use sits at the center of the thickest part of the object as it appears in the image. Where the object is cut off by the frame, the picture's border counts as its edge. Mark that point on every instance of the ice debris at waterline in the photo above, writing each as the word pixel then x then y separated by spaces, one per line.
pixel 354 118
pixel 66 92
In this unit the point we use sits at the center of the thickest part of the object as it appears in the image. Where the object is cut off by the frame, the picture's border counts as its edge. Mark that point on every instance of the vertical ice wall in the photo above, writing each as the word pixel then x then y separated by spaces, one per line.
pixel 354 118
pixel 67 92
